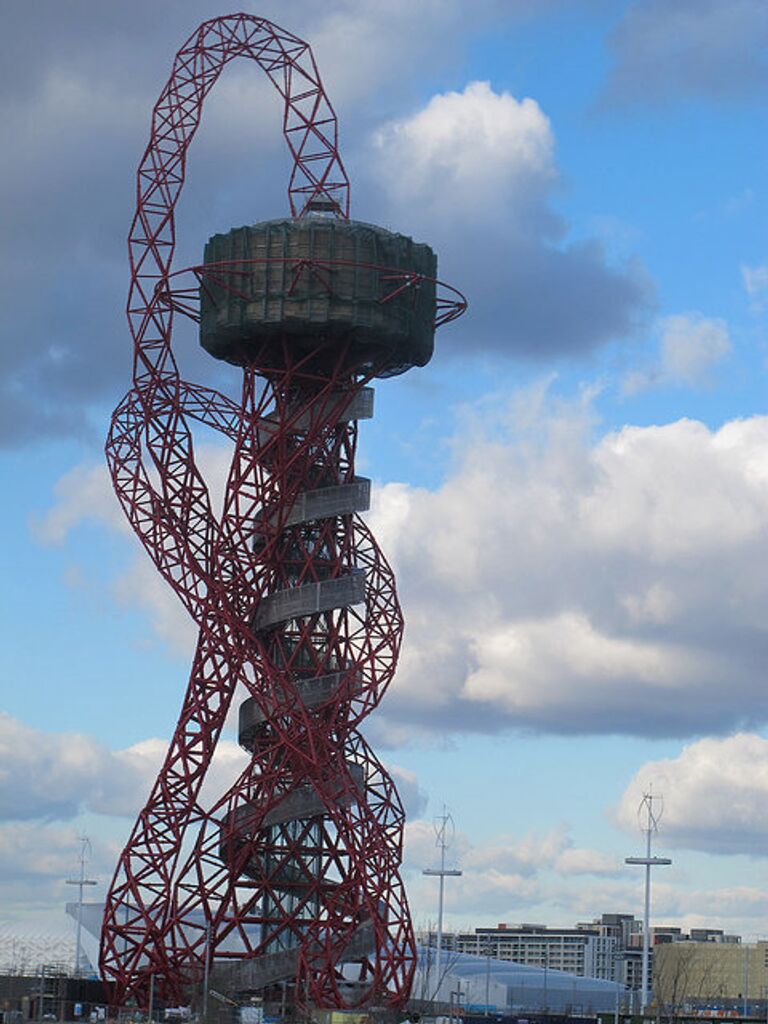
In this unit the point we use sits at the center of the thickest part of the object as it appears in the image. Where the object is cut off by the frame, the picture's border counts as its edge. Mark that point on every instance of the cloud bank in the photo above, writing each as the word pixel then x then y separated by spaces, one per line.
pixel 79 88
pixel 505 874
pixel 689 49
pixel 690 345
pixel 474 174
pixel 566 585
pixel 714 792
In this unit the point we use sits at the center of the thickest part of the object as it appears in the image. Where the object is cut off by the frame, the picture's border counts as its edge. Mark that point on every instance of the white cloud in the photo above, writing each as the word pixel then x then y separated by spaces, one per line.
pixel 40 852
pixel 472 172
pixel 361 45
pixel 743 901
pixel 52 776
pixel 755 279
pixel 714 795
pixel 485 887
pixel 57 776
pixel 503 875
pixel 142 586
pixel 564 584
pixel 756 284
pixel 524 856
pixel 412 796
pixel 689 346
pixel 84 495
pixel 581 861
pixel 545 650
pixel 489 152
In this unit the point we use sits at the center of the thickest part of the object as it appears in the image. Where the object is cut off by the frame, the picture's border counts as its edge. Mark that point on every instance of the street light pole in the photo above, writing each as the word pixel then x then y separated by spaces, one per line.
pixel 80 882
pixel 651 826
pixel 443 824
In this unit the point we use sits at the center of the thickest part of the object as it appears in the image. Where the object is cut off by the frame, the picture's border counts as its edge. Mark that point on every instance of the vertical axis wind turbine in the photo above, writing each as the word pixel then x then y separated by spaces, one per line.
pixel 443 824
pixel 81 883
pixel 650 826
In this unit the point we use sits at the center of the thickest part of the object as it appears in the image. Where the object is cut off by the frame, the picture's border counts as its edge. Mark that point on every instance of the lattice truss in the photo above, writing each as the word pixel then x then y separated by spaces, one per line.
pixel 293 873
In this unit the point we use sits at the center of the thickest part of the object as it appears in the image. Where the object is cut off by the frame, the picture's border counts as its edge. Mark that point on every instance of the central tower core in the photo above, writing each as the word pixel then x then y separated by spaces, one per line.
pixel 316 307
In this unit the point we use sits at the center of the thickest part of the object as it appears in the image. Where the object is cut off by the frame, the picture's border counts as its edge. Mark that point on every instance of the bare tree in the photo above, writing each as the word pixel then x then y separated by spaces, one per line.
pixel 673 976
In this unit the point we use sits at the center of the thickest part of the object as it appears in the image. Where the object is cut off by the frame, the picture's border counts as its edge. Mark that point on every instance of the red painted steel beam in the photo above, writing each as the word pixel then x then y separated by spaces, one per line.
pixel 296 867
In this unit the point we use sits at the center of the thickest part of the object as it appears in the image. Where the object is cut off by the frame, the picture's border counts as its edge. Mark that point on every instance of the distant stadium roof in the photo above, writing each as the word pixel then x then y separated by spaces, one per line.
pixel 526 987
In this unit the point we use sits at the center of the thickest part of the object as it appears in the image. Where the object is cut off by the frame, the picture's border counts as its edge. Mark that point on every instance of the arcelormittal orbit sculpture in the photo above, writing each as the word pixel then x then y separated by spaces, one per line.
pixel 291 877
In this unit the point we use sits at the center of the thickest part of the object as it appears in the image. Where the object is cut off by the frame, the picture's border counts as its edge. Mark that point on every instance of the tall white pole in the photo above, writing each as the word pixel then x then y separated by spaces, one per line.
pixel 80 882
pixel 440 902
pixel 646 921
pixel 649 827
pixel 443 823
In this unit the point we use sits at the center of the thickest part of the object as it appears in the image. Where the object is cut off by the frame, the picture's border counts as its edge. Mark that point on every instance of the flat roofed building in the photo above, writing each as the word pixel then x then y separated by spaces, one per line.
pixel 572 950
pixel 713 935
pixel 711 973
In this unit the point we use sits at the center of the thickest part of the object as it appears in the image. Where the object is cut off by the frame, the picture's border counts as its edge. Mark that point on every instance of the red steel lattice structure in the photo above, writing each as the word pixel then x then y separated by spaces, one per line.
pixel 292 876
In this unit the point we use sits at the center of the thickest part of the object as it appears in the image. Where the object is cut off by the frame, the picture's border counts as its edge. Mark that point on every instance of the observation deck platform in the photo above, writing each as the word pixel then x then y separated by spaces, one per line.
pixel 319 283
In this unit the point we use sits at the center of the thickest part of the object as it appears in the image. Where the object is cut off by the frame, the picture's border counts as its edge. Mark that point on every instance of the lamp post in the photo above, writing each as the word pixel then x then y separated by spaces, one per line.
pixel 80 882
pixel 651 825
pixel 444 830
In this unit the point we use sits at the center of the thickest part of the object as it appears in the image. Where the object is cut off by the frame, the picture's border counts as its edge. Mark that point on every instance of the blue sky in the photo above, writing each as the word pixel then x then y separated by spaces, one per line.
pixel 574 493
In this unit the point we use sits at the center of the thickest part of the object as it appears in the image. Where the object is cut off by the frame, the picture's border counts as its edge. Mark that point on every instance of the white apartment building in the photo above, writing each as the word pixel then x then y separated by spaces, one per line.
pixel 573 950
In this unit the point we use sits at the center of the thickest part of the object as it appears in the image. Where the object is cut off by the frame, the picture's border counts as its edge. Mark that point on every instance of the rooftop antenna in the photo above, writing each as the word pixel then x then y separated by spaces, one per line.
pixel 81 882
pixel 649 818
pixel 445 830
